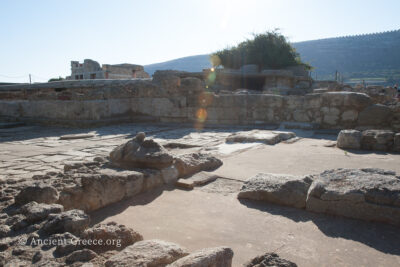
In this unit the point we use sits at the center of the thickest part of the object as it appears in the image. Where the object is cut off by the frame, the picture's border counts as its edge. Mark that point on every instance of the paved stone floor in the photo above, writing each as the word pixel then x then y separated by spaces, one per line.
pixel 29 150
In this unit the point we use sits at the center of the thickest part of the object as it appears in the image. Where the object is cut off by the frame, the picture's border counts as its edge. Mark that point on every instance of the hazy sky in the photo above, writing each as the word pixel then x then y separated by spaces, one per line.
pixel 42 37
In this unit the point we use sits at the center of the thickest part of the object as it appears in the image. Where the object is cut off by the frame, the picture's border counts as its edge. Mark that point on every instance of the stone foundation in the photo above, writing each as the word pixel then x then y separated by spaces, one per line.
pixel 168 98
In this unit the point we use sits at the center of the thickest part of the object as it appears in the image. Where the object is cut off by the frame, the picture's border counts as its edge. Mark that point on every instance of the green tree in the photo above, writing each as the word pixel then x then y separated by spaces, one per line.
pixel 269 50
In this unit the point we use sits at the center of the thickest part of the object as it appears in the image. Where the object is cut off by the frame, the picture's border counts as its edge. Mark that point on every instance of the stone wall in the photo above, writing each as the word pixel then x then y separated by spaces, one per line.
pixel 168 98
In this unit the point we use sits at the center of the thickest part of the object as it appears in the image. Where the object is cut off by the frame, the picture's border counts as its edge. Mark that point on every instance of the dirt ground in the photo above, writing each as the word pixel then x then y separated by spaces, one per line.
pixel 212 215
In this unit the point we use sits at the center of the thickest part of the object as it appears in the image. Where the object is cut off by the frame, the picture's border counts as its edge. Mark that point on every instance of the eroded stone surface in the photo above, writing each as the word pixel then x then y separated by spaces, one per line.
pixel 349 139
pixel 118 236
pixel 269 259
pixel 367 194
pixel 210 257
pixel 147 253
pixel 279 189
pixel 36 212
pixel 73 221
pixel 189 164
pixel 141 153
pixel 38 192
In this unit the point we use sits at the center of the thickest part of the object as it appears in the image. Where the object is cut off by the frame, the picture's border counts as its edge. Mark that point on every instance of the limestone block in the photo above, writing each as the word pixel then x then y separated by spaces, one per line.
pixel 350 115
pixel 374 115
pixel 366 194
pixel 349 139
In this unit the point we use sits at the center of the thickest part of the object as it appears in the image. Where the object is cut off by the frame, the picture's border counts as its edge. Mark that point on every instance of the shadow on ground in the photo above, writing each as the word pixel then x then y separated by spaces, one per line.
pixel 380 236
pixel 119 207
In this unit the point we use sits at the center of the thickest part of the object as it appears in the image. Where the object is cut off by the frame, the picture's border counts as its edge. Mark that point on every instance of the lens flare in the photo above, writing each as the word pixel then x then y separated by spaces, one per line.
pixel 201 115
pixel 205 99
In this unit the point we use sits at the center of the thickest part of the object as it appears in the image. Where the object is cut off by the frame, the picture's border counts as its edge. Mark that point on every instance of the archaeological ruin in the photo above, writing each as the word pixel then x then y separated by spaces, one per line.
pixel 91 69
pixel 219 168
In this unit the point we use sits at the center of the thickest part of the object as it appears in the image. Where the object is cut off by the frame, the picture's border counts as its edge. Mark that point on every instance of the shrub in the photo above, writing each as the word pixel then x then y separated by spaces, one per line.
pixel 269 50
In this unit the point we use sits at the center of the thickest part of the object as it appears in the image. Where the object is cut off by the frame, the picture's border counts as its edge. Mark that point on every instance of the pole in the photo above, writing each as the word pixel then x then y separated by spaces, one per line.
pixel 30 79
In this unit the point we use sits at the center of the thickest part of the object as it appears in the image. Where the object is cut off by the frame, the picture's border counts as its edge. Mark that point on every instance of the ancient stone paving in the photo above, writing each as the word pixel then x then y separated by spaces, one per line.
pixel 33 150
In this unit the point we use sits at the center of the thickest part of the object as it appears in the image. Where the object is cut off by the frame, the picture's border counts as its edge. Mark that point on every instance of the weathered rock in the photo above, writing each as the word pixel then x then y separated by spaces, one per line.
pixel 170 175
pixel 66 243
pixel 367 194
pixel 374 115
pixel 189 164
pixel 210 257
pixel 99 190
pixel 4 230
pixel 191 85
pixel 112 236
pixel 81 255
pixel 147 253
pixel 73 221
pixel 279 189
pixel 348 99
pixel 17 222
pixel 267 137
pixel 349 139
pixel 37 257
pixel 269 259
pixel 197 179
pixel 39 193
pixel 377 140
pixel 38 211
pixel 139 153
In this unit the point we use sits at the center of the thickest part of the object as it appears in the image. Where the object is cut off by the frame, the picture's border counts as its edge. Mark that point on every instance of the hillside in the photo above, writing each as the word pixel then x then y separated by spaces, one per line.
pixel 192 64
pixel 373 57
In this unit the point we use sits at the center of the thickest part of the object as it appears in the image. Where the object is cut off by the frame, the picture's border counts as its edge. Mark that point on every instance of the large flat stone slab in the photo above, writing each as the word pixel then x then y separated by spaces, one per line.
pixel 198 179
pixel 366 194
pixel 281 189
pixel 262 136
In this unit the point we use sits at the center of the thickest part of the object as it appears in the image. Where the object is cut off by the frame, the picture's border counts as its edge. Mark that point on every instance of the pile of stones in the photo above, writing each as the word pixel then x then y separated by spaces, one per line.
pixel 366 194
pixel 380 140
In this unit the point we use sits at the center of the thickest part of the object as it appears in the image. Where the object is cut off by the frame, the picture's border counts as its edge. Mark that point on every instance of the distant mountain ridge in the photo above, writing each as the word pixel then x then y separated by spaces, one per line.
pixel 375 55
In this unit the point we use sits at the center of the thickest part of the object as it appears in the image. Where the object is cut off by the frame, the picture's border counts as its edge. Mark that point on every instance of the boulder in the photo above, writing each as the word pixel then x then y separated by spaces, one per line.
pixel 38 192
pixel 263 136
pixel 189 164
pixel 147 253
pixel 278 189
pixel 210 257
pixel 374 115
pixel 38 211
pixel 349 139
pixel 141 153
pixel 66 243
pixel 81 255
pixel 377 140
pixel 73 221
pixel 112 236
pixel 366 194
pixel 269 259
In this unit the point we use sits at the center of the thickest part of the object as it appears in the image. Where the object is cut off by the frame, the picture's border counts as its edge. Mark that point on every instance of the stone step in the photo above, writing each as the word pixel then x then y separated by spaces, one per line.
pixel 198 179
